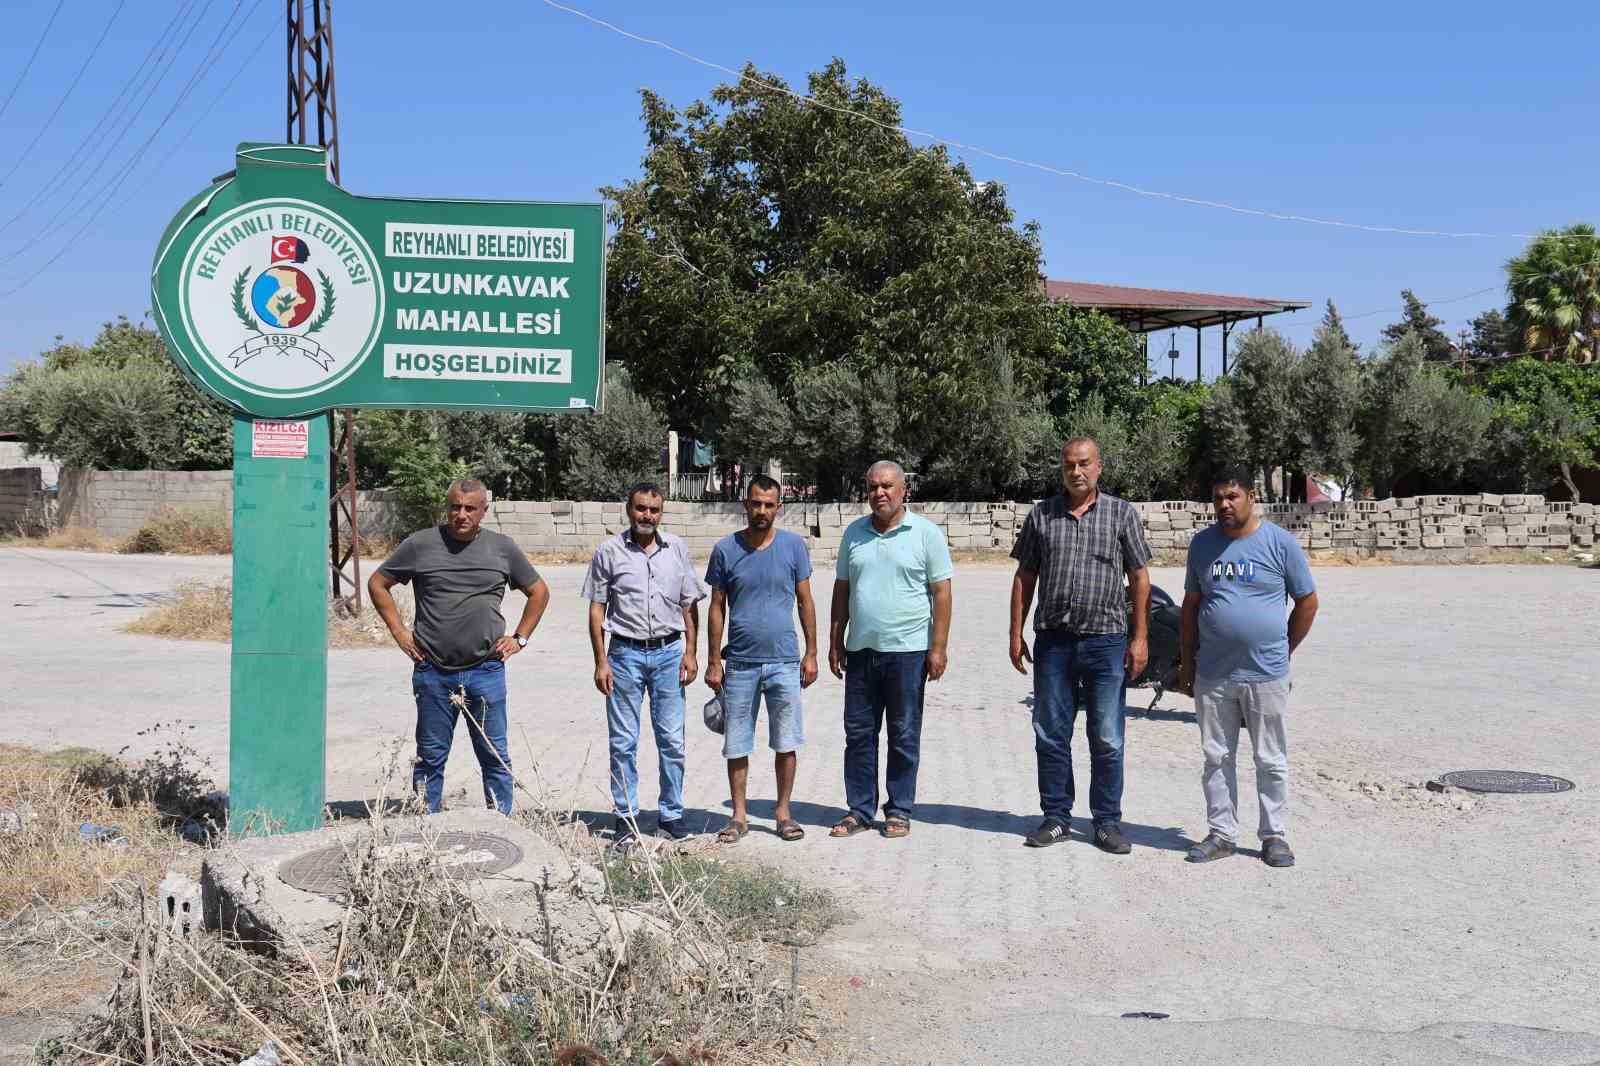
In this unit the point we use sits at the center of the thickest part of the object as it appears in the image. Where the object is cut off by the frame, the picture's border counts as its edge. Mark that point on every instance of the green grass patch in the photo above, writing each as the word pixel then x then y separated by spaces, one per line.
pixel 753 900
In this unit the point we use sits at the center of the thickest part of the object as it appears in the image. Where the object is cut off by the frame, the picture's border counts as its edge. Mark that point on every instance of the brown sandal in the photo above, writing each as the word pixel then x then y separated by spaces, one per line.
pixel 848 826
pixel 896 827
pixel 789 829
pixel 733 832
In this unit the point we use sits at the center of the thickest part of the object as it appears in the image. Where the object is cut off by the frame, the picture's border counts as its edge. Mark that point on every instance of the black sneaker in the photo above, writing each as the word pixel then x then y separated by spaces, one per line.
pixel 1050 831
pixel 1275 852
pixel 674 830
pixel 623 835
pixel 1109 837
pixel 1212 847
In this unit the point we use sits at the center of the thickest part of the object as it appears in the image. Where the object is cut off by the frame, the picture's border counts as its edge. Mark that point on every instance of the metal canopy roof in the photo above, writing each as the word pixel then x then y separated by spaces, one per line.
pixel 1149 310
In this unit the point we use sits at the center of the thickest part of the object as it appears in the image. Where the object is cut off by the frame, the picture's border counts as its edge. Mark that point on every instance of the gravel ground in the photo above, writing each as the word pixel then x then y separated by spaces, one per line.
pixel 1417 927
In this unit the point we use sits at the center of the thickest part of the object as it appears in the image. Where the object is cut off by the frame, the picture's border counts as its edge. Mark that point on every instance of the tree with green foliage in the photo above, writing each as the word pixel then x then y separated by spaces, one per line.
pixel 1171 439
pixel 1333 326
pixel 1090 352
pixel 1547 422
pixel 1328 397
pixel 1436 347
pixel 1554 289
pixel 1009 446
pixel 771 235
pixel 117 404
pixel 845 420
pixel 617 447
pixel 1255 418
pixel 1415 419
pixel 404 454
pixel 1491 336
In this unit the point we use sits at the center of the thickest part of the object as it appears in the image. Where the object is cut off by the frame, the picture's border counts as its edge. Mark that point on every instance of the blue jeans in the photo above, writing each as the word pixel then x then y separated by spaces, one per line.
pixel 635 674
pixel 743 687
pixel 1072 673
pixel 484 686
pixel 879 684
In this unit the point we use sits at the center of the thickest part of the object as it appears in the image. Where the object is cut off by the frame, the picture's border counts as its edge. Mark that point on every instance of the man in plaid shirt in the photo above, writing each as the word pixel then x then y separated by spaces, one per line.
pixel 1075 549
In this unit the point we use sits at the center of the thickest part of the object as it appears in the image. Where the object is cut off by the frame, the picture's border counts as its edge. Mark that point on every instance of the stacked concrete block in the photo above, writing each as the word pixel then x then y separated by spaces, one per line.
pixel 1415 529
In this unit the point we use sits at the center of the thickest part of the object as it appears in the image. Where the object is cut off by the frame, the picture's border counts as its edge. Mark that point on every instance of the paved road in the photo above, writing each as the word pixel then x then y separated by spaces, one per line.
pixel 1417 928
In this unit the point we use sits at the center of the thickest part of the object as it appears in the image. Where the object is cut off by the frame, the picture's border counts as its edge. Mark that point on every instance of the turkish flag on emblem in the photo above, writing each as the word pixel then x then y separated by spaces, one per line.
pixel 289 250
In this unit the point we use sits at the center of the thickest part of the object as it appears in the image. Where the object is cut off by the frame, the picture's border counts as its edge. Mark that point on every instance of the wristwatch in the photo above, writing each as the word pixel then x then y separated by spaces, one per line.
pixel 522 641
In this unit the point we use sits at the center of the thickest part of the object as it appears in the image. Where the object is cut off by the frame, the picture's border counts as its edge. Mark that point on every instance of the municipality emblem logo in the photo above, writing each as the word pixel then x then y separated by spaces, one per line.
pixel 282 297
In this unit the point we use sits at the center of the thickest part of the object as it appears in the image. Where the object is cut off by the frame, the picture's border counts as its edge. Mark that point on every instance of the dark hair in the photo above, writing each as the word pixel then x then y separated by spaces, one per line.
pixel 1234 475
pixel 643 488
pixel 763 483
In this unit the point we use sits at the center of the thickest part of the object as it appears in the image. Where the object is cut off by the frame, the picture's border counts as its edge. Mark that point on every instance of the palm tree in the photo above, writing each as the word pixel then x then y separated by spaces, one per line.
pixel 1554 288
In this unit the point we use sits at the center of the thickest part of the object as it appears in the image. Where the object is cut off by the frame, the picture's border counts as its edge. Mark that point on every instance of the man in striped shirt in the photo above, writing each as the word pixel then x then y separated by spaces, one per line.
pixel 1075 549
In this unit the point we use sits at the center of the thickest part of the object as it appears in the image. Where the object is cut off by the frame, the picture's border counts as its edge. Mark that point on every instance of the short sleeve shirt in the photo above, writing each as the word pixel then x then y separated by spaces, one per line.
pixel 1243 586
pixel 1081 563
pixel 890 574
pixel 759 587
pixel 644 593
pixel 459 587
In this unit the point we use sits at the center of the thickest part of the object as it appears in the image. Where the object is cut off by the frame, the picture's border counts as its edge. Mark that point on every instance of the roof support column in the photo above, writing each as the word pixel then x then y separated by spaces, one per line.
pixel 1227 327
pixel 1197 376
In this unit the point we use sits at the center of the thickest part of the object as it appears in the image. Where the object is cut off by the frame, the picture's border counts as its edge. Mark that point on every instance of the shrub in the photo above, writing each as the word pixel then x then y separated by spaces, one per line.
pixel 182 531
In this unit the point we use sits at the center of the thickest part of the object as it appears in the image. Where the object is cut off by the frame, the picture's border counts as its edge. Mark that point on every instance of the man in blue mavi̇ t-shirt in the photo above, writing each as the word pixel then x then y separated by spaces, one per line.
pixel 1236 648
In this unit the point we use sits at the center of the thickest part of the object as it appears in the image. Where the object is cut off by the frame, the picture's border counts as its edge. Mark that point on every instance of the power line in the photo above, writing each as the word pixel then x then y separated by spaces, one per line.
pixel 206 63
pixel 31 57
pixel 1155 194
pixel 1302 323
pixel 155 51
pixel 145 94
pixel 273 28
pixel 45 126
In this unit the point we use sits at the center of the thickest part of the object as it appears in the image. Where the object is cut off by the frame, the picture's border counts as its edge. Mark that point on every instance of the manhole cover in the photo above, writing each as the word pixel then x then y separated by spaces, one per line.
pixel 1505 781
pixel 457 854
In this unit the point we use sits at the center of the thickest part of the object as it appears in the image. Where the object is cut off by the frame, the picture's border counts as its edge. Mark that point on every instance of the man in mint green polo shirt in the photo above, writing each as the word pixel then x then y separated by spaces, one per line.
pixel 887 638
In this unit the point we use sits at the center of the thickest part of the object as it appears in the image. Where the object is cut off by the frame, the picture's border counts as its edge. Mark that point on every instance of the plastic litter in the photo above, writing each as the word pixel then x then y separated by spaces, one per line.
pixel 266 1055
pixel 109 835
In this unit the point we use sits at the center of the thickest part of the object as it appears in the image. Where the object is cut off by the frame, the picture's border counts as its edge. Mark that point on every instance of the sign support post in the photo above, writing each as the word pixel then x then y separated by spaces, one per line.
pixel 278 687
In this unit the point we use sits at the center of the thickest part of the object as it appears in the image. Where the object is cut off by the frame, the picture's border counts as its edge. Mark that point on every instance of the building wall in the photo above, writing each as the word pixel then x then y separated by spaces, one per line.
pixel 23 503
pixel 14 454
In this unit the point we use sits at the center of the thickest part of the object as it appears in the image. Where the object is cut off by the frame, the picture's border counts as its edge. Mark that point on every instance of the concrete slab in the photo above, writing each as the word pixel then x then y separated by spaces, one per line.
pixel 243 884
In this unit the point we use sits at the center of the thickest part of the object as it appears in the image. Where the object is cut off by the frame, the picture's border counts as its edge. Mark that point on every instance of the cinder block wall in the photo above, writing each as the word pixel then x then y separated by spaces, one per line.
pixel 1410 529
pixel 115 503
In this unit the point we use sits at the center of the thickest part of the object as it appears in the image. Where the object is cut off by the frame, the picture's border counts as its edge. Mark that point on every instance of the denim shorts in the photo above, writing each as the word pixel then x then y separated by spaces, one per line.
pixel 743 686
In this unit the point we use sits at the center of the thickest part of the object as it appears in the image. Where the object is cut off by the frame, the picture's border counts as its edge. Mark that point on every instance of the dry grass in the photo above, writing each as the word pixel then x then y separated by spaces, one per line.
pixel 72 538
pixel 182 531
pixel 53 878
pixel 560 558
pixel 201 610
pixel 969 556
pixel 422 974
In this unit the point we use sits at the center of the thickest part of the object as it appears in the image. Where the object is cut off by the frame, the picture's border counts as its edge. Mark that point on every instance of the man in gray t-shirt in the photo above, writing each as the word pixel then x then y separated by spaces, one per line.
pixel 459 573
pixel 1236 648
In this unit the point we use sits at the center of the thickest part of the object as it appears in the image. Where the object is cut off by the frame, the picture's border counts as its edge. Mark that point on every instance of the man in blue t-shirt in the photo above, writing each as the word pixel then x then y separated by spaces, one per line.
pixel 1236 648
pixel 758 576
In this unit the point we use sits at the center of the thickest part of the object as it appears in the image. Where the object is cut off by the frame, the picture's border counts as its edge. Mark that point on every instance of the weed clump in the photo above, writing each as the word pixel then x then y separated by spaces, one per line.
pixel 179 531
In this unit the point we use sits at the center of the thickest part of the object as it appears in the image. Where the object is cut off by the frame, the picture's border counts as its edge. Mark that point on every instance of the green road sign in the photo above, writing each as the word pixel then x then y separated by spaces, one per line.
pixel 283 295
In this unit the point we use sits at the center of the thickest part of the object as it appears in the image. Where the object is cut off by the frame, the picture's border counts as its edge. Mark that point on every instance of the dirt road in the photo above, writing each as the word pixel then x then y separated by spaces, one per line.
pixel 1416 927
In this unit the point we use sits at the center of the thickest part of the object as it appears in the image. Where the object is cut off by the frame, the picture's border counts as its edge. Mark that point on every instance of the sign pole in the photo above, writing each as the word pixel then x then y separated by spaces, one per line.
pixel 278 687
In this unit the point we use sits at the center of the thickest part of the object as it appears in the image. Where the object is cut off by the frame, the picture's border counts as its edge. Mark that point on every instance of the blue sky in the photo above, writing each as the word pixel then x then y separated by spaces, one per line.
pixel 1426 116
